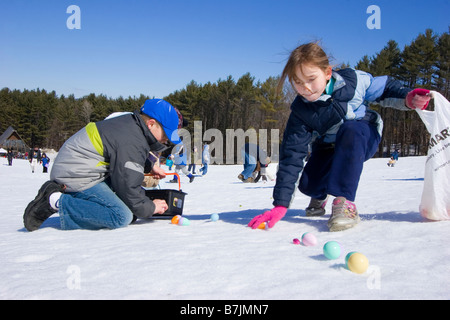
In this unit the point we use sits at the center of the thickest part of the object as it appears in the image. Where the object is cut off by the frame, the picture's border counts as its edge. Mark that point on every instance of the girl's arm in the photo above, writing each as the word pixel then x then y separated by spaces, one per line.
pixel 293 151
pixel 389 92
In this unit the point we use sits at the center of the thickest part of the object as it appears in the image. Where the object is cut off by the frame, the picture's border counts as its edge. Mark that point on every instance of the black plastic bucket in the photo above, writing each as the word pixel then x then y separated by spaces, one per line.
pixel 174 199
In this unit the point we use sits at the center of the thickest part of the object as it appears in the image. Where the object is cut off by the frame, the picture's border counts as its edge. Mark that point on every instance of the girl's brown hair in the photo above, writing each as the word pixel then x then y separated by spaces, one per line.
pixel 309 53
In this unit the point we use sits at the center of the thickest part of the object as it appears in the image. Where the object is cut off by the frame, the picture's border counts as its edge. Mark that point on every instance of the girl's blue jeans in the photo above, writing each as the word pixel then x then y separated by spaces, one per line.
pixel 95 208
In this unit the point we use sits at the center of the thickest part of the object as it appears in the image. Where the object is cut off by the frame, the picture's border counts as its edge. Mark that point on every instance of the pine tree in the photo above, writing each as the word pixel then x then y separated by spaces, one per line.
pixel 426 44
pixel 443 65
pixel 244 114
pixel 364 64
pixel 387 61
pixel 419 60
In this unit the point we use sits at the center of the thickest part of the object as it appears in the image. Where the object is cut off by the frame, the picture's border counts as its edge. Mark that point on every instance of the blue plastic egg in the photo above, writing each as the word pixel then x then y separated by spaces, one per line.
pixel 184 221
pixel 348 257
pixel 332 250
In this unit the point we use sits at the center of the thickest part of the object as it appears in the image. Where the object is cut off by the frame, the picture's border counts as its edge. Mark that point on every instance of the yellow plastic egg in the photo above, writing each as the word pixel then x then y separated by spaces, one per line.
pixel 358 263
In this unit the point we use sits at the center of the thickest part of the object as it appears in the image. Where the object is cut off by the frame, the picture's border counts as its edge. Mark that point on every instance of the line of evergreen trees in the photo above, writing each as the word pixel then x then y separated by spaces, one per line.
pixel 43 119
pixel 424 63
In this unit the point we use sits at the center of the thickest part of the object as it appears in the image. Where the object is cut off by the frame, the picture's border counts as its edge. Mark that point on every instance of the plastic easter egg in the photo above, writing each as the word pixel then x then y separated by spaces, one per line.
pixel 214 217
pixel 184 221
pixel 263 226
pixel 309 240
pixel 347 257
pixel 332 250
pixel 175 219
pixel 296 241
pixel 358 263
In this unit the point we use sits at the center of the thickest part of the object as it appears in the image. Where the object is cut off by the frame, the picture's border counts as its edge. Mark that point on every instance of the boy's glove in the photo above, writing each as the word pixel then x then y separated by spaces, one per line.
pixel 272 217
pixel 418 99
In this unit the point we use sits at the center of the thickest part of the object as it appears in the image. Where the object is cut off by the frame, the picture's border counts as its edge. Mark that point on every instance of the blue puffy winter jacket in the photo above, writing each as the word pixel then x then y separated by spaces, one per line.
pixel 319 121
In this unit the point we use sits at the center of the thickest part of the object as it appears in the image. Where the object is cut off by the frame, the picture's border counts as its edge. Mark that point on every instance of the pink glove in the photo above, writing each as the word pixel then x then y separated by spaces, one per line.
pixel 418 99
pixel 272 217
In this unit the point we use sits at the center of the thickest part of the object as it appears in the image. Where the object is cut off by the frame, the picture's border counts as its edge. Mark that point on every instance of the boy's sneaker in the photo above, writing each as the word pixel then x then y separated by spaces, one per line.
pixel 39 209
pixel 344 215
pixel 316 207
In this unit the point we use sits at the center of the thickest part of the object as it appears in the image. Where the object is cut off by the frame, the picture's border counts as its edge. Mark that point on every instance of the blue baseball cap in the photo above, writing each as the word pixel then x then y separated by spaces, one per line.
pixel 166 115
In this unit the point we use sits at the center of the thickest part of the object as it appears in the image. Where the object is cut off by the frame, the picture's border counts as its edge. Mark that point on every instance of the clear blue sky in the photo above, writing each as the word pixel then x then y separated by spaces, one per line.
pixel 128 47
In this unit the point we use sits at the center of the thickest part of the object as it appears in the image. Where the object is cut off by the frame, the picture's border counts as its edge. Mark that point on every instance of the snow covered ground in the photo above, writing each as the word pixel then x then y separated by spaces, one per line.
pixel 409 257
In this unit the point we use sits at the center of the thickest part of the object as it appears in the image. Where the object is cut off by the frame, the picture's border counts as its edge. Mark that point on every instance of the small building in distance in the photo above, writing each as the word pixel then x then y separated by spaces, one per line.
pixel 10 139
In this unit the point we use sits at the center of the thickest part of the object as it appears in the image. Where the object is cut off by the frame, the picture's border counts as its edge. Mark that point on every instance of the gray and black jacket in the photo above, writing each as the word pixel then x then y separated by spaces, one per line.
pixel 113 150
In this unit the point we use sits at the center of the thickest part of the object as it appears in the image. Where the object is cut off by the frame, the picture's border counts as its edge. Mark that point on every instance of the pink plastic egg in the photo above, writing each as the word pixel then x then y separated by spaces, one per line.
pixel 309 240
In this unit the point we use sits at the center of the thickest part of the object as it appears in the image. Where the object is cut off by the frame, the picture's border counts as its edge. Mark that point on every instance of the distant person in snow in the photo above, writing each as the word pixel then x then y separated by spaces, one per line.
pixel 34 158
pixel 206 159
pixel 45 160
pixel 254 159
pixel 10 156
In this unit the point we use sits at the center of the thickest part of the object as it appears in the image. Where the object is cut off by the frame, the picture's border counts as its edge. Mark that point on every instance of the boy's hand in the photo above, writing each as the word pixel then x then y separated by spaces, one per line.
pixel 160 206
pixel 158 172
pixel 418 99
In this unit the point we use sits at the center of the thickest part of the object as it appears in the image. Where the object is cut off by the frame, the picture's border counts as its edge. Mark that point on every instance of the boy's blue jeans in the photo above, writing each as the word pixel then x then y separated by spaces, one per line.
pixel 204 169
pixel 249 165
pixel 95 208
pixel 336 170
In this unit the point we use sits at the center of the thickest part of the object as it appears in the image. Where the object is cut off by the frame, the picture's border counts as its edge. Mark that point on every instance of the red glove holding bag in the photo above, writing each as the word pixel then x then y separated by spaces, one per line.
pixel 418 99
